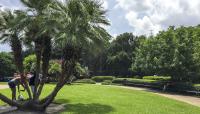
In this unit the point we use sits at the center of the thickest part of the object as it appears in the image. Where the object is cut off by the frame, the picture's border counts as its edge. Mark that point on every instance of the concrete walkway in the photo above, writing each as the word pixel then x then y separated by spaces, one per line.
pixel 184 98
pixel 4 86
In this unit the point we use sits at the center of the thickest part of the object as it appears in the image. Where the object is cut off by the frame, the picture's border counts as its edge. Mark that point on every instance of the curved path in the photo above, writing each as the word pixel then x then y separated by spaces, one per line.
pixel 184 98
pixel 4 86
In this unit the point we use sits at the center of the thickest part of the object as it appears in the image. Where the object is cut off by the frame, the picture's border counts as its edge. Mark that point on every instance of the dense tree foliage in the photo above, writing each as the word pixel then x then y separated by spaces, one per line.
pixel 116 58
pixel 174 52
pixel 7 68
pixel 29 63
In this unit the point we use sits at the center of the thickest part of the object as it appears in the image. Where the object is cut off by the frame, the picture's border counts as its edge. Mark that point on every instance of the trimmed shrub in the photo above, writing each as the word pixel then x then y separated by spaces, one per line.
pixel 139 82
pixel 85 81
pixel 160 78
pixel 102 78
pixel 181 87
pixel 197 86
pixel 138 77
pixel 106 82
pixel 119 80
pixel 132 80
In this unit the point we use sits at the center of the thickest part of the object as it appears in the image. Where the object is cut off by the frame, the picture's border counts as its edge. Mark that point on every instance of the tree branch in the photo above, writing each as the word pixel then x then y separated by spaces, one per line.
pixel 9 101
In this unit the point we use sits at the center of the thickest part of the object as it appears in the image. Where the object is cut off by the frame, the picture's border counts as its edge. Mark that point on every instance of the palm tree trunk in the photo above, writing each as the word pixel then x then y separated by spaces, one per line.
pixel 70 55
pixel 38 52
pixel 45 63
pixel 9 101
pixel 18 58
pixel 67 71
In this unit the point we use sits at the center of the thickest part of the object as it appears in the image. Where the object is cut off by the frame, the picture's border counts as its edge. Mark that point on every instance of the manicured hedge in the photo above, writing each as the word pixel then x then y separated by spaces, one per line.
pixel 106 82
pixel 139 82
pixel 161 78
pixel 197 86
pixel 86 81
pixel 102 78
pixel 128 80
pixel 181 87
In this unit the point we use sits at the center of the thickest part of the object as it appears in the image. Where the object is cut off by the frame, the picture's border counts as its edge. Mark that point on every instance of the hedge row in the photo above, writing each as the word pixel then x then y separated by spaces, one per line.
pixel 197 86
pixel 161 78
pixel 139 82
pixel 86 81
pixel 158 84
pixel 106 82
pixel 102 78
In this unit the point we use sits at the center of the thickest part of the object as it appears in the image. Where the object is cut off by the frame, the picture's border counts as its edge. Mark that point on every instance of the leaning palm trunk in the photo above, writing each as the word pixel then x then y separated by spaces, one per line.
pixel 17 51
pixel 70 58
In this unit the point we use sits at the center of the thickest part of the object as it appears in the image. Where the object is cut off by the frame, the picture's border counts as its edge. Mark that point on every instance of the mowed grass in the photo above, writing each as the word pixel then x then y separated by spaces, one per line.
pixel 97 99
pixel 3 83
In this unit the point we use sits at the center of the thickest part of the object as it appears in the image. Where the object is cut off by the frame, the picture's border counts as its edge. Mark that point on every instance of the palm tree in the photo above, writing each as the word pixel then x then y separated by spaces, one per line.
pixel 80 29
pixel 10 33
pixel 38 31
pixel 76 25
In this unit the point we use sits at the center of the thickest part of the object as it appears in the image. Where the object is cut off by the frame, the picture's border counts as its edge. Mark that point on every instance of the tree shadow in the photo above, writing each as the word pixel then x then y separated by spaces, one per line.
pixel 59 101
pixel 93 108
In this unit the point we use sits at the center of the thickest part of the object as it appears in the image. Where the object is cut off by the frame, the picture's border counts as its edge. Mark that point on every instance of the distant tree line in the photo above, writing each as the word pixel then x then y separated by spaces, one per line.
pixel 174 52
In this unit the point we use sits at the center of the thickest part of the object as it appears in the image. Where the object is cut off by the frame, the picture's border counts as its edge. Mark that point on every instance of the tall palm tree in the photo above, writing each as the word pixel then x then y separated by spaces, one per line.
pixel 10 33
pixel 80 28
pixel 38 32
pixel 76 25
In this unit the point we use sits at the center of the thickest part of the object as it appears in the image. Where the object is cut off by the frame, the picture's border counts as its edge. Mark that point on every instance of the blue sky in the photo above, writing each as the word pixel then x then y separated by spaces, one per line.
pixel 139 16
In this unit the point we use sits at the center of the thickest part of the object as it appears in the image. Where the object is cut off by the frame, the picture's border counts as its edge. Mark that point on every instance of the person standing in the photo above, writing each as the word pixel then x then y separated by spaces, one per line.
pixel 32 81
pixel 16 81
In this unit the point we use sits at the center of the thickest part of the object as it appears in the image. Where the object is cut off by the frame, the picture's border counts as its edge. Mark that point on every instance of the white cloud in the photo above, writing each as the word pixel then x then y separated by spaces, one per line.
pixel 156 15
pixel 105 4
pixel 11 4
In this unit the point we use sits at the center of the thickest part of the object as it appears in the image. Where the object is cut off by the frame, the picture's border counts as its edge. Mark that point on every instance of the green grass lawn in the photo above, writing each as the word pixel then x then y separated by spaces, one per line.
pixel 97 99
pixel 3 83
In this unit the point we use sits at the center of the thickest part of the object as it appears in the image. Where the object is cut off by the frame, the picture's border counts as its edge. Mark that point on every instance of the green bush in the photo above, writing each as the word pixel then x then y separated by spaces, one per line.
pixel 160 78
pixel 106 82
pixel 181 87
pixel 132 80
pixel 139 82
pixel 138 77
pixel 85 81
pixel 197 86
pixel 102 78
pixel 119 80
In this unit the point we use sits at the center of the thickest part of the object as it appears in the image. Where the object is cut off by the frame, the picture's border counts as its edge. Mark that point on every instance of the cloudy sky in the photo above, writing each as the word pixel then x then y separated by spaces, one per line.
pixel 140 16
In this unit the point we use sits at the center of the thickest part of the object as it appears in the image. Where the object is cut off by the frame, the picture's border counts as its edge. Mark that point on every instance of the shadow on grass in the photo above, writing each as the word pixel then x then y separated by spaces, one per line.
pixel 93 108
pixel 57 101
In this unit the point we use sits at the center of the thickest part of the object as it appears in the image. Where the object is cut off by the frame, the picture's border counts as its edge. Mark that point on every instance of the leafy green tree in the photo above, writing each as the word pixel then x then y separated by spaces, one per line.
pixel 54 70
pixel 7 68
pixel 29 63
pixel 121 53
pixel 81 71
pixel 172 52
